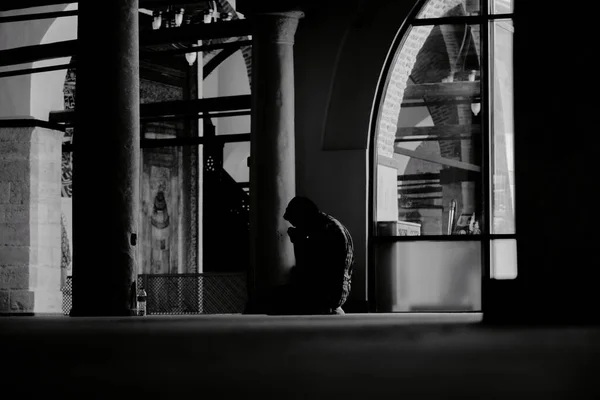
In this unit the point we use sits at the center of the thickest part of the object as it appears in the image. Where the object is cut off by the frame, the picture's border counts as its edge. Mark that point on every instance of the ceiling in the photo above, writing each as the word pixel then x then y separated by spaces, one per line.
pixel 244 6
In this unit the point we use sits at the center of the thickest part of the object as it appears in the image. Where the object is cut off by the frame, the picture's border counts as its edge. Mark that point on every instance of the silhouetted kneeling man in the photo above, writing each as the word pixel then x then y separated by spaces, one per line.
pixel 320 281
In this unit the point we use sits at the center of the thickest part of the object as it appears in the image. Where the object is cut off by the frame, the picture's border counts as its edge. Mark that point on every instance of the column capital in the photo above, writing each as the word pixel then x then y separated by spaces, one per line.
pixel 277 27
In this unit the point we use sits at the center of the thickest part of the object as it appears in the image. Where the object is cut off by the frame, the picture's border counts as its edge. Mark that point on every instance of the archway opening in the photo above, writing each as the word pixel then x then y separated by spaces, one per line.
pixel 444 193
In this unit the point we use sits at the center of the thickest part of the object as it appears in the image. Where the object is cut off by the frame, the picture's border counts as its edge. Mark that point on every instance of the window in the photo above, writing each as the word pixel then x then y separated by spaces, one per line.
pixel 445 209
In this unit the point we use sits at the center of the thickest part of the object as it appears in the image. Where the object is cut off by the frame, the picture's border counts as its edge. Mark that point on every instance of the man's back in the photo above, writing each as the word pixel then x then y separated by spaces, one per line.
pixel 324 261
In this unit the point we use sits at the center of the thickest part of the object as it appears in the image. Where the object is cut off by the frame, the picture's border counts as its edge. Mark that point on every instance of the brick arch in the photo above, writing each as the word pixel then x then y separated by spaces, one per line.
pixel 438 58
pixel 387 124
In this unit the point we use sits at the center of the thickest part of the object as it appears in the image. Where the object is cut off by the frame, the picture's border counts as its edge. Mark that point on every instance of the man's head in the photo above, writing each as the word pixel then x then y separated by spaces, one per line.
pixel 301 212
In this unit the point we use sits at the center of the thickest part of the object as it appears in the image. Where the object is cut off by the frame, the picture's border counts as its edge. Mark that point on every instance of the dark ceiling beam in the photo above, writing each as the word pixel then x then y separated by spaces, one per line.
pixel 175 108
pixel 28 71
pixel 37 16
pixel 151 4
pixel 449 89
pixel 250 7
pixel 7 5
pixel 29 54
pixel 188 107
pixel 438 130
pixel 434 158
pixel 187 33
pixel 236 45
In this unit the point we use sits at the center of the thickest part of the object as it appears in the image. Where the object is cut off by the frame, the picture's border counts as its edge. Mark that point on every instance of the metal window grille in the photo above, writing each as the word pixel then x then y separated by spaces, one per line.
pixel 181 294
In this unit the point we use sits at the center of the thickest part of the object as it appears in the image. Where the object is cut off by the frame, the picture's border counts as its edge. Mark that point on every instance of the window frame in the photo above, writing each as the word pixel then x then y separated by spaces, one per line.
pixel 485 19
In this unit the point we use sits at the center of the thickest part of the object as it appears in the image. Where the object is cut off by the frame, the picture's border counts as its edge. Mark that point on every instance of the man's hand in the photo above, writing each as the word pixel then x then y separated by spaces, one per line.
pixel 295 234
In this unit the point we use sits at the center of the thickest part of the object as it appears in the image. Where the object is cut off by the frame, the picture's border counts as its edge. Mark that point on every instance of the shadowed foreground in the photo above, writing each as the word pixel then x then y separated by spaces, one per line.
pixel 333 357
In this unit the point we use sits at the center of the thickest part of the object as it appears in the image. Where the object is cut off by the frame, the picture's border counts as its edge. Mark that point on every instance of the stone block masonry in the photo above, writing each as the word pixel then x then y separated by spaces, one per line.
pixel 30 241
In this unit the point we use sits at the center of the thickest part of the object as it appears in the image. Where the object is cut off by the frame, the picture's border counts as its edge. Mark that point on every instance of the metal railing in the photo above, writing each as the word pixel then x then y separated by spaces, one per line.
pixel 185 294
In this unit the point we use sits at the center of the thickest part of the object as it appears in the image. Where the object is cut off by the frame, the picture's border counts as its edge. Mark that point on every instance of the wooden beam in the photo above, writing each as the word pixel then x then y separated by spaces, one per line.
pixel 387 161
pixel 449 89
pixel 162 73
pixel 420 184
pixel 187 107
pixel 36 16
pixel 67 48
pixel 436 159
pixel 202 115
pixel 439 130
pixel 439 102
pixel 194 141
pixel 181 141
pixel 454 175
pixel 28 71
pixel 175 108
pixel 151 4
pixel 430 189
pixel 209 47
pixel 6 5
pixel 432 138
pixel 427 176
pixel 29 54
pixel 194 32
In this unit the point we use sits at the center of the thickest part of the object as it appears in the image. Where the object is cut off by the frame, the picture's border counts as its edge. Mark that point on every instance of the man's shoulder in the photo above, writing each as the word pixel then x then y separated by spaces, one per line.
pixel 331 221
pixel 334 225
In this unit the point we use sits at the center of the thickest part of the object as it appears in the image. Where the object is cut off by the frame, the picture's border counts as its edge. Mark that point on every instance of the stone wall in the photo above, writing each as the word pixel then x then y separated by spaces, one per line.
pixel 30 212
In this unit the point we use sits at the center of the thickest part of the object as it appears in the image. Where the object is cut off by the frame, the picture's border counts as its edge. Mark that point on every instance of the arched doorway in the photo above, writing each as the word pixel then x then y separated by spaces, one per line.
pixel 442 158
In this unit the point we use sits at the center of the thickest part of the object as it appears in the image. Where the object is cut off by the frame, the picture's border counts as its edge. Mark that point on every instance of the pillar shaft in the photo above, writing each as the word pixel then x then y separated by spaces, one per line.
pixel 106 158
pixel 272 170
pixel 29 218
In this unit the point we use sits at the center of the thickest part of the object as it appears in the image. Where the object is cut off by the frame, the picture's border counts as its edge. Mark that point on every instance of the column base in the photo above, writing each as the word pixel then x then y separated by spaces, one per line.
pixel 28 302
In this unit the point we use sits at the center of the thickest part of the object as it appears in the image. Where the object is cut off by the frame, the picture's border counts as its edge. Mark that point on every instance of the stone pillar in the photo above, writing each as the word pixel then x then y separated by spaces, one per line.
pixel 273 167
pixel 30 245
pixel 106 159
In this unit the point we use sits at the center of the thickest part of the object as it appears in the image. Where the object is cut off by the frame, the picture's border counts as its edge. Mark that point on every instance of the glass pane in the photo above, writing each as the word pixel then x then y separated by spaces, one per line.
pixel 431 117
pixel 503 185
pixel 429 276
pixel 504 259
pixel 446 8
pixel 502 6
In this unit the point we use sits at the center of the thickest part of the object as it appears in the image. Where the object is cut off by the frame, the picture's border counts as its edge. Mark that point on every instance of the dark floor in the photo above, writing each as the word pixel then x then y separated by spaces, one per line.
pixel 333 357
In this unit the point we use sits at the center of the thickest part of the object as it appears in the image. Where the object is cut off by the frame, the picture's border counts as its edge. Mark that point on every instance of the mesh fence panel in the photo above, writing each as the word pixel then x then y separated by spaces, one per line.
pixel 223 294
pixel 181 294
pixel 67 296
